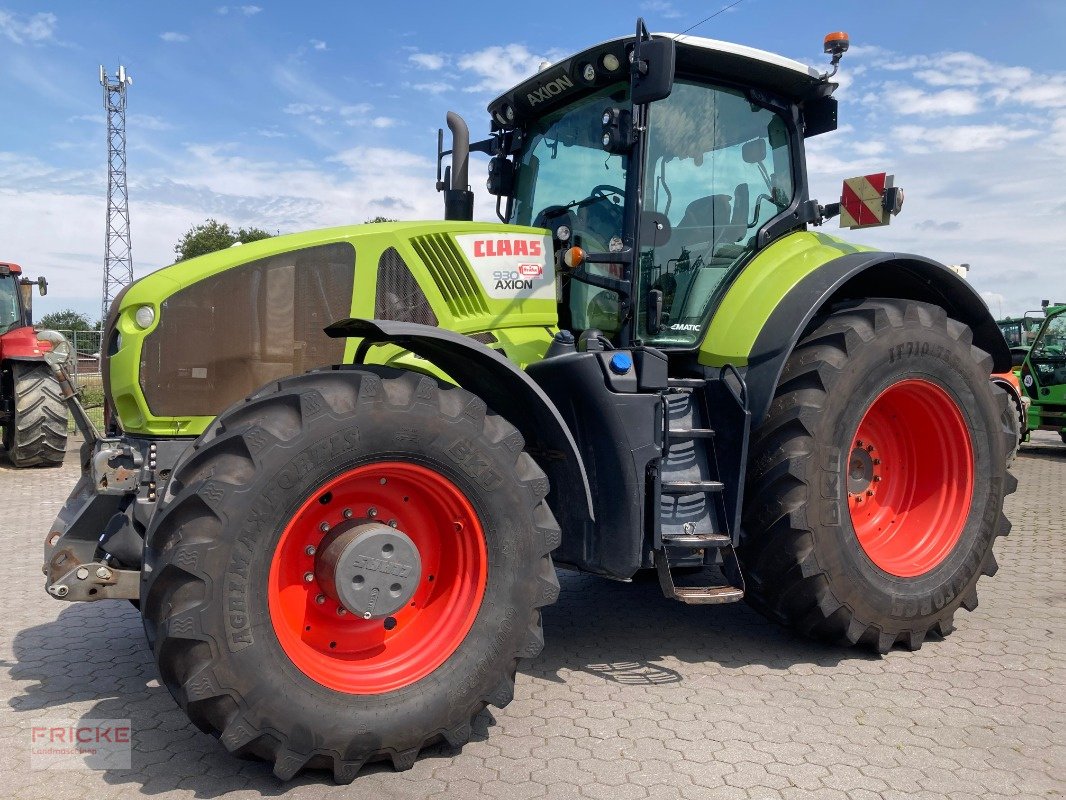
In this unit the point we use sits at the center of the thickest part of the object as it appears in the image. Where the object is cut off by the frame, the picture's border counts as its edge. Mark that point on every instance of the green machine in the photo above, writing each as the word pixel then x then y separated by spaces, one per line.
pixel 1043 374
pixel 340 466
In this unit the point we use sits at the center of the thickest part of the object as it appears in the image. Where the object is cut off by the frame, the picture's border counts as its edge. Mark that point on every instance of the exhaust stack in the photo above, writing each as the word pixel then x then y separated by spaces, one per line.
pixel 458 199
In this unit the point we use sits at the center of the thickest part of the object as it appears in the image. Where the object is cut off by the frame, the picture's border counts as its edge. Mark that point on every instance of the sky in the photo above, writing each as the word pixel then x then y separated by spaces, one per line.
pixel 291 117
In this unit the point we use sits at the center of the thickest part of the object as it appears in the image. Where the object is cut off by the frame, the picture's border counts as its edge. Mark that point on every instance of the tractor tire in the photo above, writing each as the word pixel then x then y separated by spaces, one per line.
pixel 289 506
pixel 1014 421
pixel 881 403
pixel 37 435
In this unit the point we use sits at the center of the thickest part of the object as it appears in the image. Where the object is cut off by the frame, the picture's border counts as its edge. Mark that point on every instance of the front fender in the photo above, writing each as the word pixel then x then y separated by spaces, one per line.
pixel 507 390
pixel 21 345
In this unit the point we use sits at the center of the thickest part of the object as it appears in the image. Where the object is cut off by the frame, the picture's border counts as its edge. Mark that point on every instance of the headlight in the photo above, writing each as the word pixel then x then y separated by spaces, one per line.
pixel 144 317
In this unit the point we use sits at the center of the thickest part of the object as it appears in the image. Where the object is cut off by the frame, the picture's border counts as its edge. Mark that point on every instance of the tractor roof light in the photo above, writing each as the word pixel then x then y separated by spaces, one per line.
pixel 835 44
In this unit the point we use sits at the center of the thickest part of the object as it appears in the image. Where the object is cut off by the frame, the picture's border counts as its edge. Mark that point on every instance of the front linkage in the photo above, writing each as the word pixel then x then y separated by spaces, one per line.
pixel 116 494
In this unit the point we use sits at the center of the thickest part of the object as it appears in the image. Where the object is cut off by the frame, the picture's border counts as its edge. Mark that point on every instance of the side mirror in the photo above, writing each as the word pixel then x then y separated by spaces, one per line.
pixel 653 70
pixel 42 286
pixel 754 152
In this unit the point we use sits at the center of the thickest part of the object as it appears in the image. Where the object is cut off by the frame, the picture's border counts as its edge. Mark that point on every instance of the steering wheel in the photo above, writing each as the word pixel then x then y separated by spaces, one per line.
pixel 603 189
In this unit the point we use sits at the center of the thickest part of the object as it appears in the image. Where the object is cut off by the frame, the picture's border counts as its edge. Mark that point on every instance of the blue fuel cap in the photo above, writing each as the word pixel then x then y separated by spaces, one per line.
pixel 621 363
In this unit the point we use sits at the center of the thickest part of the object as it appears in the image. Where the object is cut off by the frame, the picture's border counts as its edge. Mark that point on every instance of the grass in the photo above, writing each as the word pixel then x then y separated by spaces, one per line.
pixel 91 392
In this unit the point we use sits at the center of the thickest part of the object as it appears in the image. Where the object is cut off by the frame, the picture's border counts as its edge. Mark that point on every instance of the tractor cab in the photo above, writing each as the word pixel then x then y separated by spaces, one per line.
pixel 16 297
pixel 660 166
pixel 1043 374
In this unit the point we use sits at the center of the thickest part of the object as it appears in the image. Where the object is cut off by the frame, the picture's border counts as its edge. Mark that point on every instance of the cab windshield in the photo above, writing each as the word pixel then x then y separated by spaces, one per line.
pixel 718 168
pixel 565 178
pixel 1048 355
pixel 9 304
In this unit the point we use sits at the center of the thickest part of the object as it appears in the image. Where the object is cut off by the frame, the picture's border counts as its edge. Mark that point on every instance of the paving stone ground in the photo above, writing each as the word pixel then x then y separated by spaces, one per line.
pixel 634 696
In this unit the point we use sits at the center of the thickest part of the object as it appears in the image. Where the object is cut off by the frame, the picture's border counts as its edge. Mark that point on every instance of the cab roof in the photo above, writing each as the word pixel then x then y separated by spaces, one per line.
pixel 6 268
pixel 738 62
pixel 696 56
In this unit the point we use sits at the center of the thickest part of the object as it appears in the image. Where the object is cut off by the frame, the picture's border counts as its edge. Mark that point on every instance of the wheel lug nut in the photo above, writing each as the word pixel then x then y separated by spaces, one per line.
pixel 372 512
pixel 347 513
pixel 869 448
pixel 366 615
pixel 877 478
pixel 877 461
pixel 858 442
pixel 392 523
pixel 869 493
pixel 324 527
pixel 341 611
pixel 310 549
pixel 320 599
pixel 308 577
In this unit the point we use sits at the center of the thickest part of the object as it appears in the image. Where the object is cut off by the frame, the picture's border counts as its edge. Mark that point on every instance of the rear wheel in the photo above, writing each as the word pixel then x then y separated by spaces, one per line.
pixel 1014 420
pixel 37 435
pixel 346 567
pixel 877 479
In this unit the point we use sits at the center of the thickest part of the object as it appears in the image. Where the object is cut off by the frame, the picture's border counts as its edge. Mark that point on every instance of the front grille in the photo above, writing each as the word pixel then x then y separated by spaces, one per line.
pixel 222 337
pixel 457 285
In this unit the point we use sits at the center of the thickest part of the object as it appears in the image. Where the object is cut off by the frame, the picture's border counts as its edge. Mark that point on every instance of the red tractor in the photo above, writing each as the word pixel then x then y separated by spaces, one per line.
pixel 33 415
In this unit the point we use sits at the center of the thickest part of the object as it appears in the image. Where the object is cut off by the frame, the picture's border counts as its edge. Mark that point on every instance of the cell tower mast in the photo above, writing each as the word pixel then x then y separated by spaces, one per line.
pixel 118 254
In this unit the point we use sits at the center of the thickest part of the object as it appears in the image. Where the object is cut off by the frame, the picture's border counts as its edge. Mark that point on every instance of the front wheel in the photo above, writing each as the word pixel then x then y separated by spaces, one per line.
pixel 346 567
pixel 36 436
pixel 877 479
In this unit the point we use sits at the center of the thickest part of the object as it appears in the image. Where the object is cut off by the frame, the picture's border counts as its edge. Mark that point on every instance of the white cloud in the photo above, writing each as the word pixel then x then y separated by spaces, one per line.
pixel 22 28
pixel 950 102
pixel 502 66
pixel 434 87
pixel 301 109
pixel 384 122
pixel 663 9
pixel 431 61
pixel 270 133
pixel 318 44
pixel 958 138
pixel 147 122
pixel 173 36
pixel 248 11
pixel 356 110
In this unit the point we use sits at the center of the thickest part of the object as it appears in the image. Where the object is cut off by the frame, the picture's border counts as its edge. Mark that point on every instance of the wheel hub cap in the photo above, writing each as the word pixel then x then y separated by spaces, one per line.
pixel 861 473
pixel 371 569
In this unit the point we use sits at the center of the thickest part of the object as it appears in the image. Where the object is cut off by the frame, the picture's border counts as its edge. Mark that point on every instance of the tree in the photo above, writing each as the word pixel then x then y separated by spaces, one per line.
pixel 378 218
pixel 213 235
pixel 67 320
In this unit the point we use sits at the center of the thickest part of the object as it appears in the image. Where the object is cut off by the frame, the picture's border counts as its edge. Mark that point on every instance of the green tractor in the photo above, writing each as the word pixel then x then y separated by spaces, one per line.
pixel 341 466
pixel 1020 332
pixel 1043 374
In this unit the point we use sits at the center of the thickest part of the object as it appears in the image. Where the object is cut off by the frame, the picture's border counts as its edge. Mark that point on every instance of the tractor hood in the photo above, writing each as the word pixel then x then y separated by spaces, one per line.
pixel 190 339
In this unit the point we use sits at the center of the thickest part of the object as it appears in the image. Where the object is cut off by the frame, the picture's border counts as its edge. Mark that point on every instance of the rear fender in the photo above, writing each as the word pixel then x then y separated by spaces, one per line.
pixel 507 390
pixel 854 277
